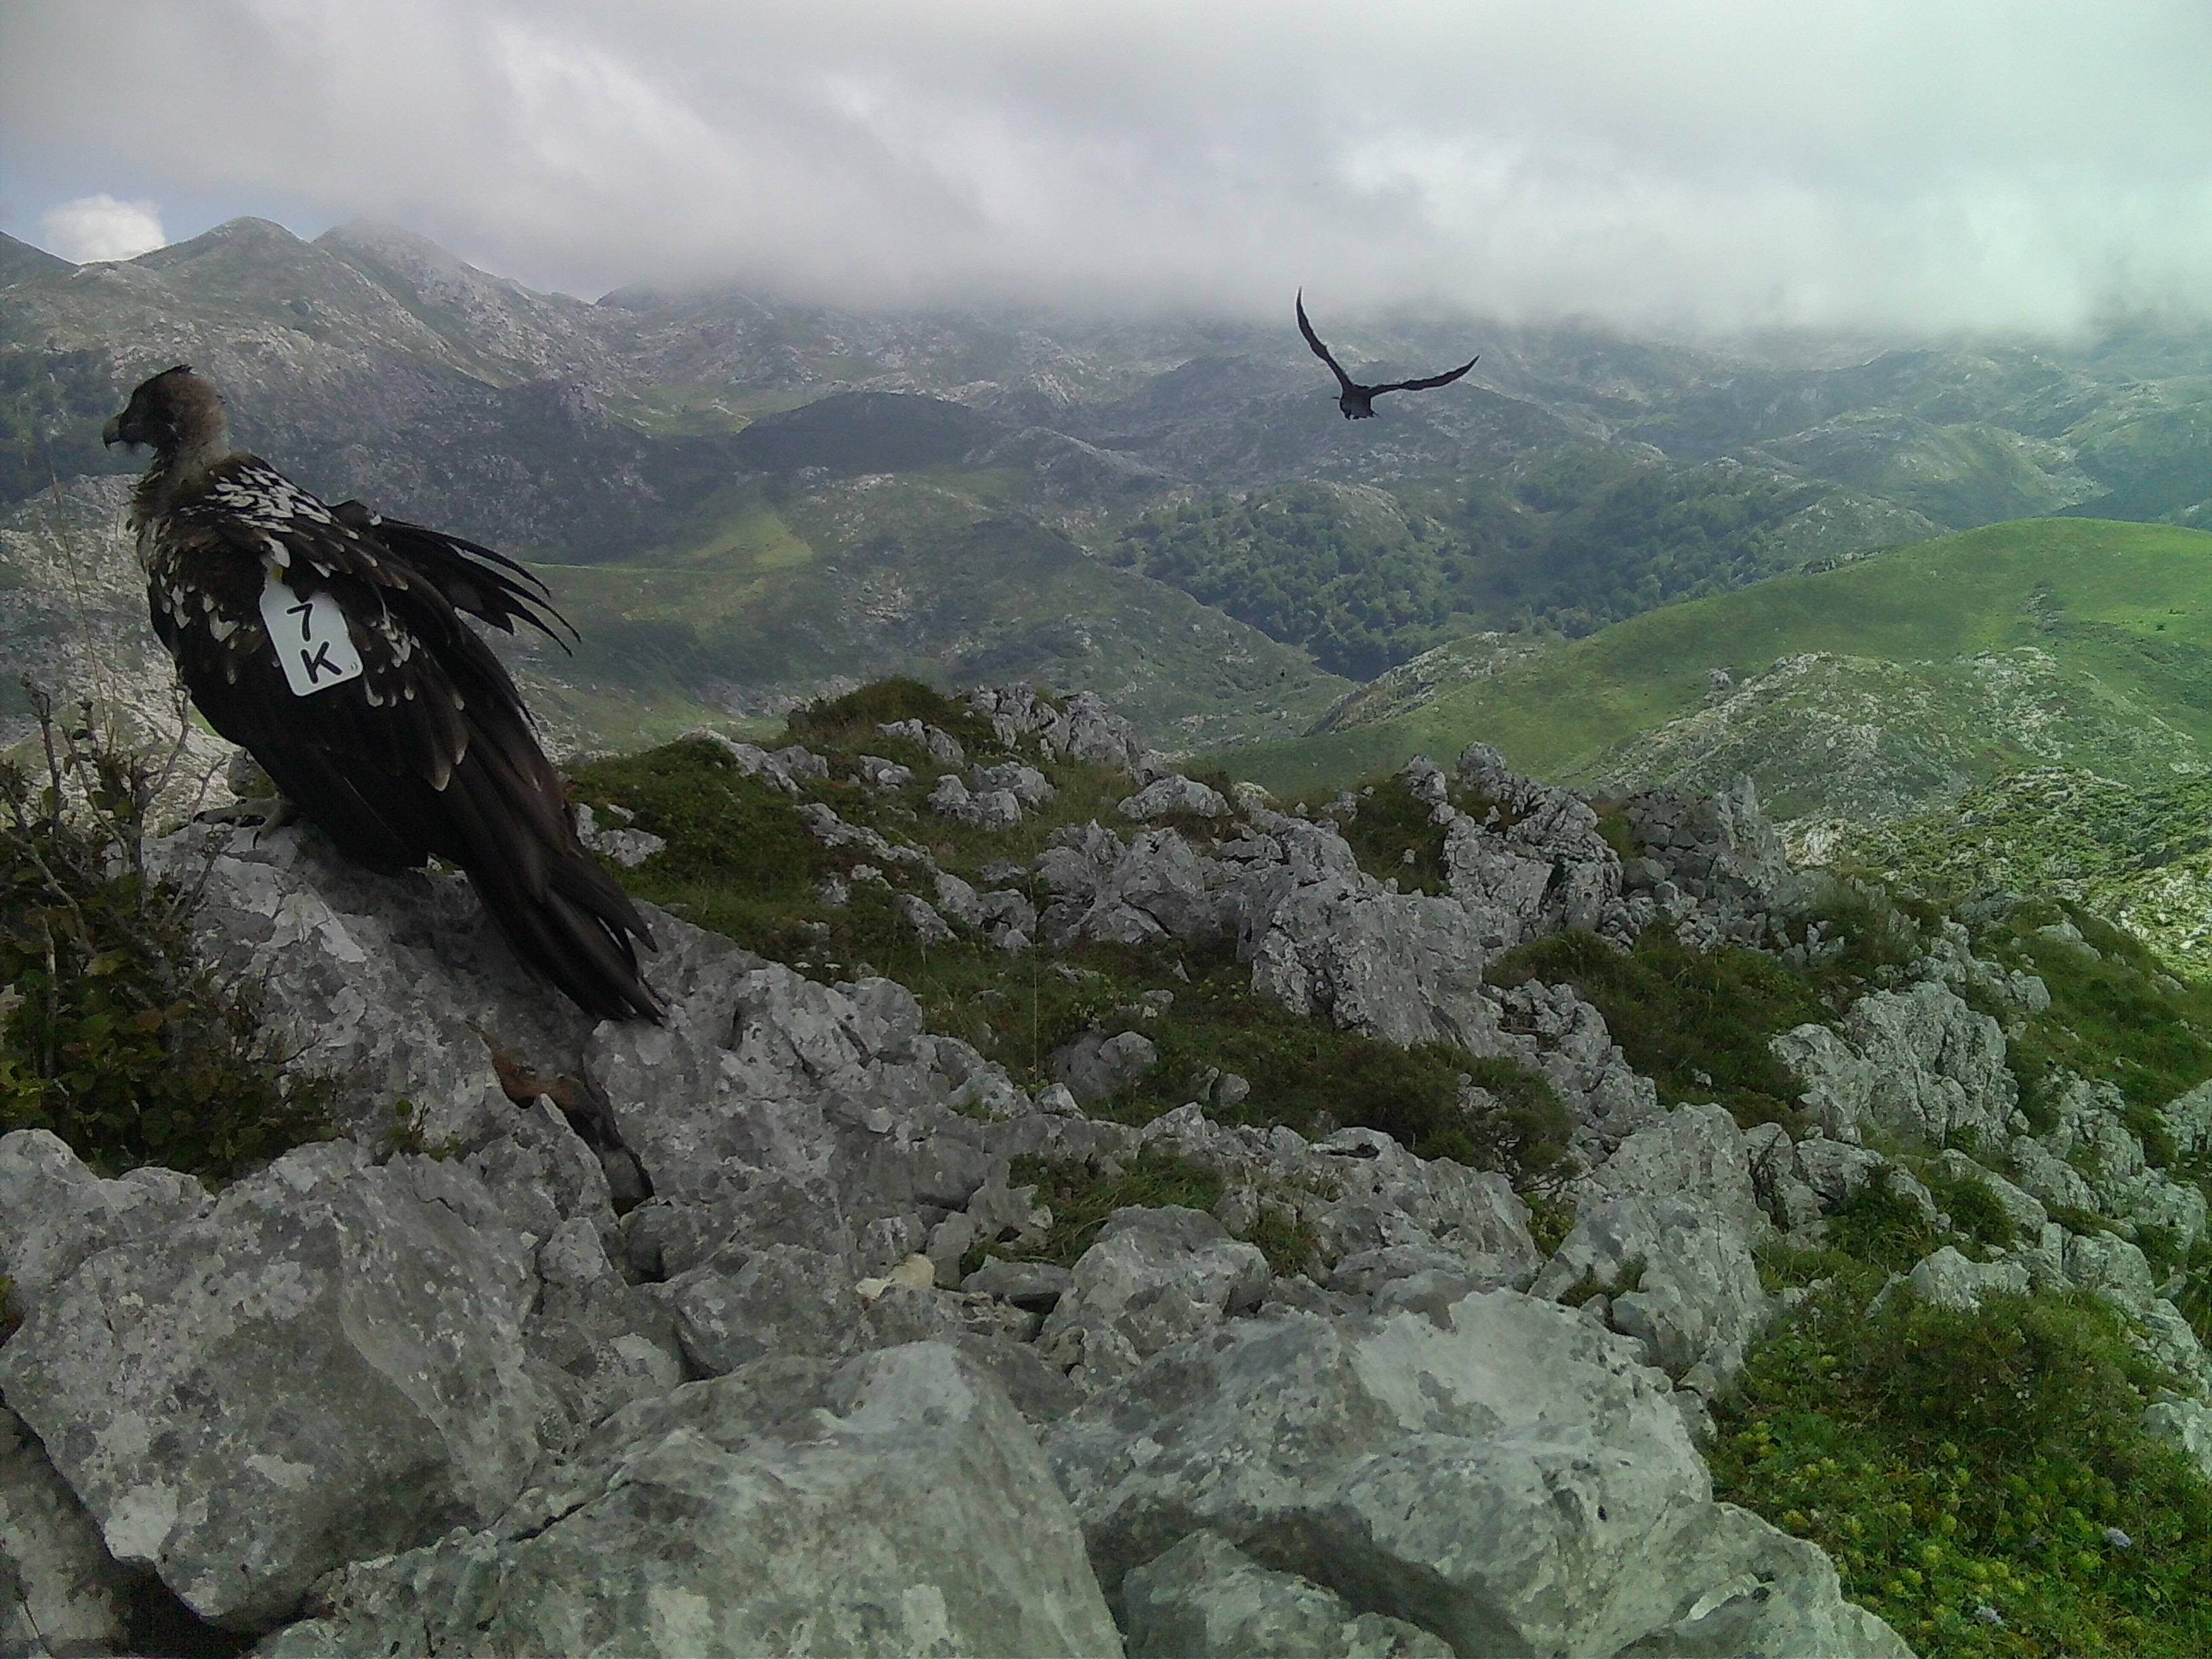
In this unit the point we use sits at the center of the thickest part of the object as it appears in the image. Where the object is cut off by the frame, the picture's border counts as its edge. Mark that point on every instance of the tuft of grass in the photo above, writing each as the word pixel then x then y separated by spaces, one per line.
pixel 1877 1223
pixel 850 722
pixel 1696 1023
pixel 1083 1199
pixel 1953 1462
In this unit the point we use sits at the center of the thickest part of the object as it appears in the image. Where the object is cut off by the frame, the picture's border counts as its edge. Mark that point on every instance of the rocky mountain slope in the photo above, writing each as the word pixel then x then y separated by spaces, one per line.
pixel 1074 1208
pixel 1575 478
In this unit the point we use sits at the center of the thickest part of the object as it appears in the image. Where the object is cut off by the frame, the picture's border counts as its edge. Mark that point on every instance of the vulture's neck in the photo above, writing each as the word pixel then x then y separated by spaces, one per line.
pixel 181 469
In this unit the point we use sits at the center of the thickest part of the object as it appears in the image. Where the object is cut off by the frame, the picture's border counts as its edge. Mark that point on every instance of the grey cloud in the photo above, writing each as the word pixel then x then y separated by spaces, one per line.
pixel 2010 164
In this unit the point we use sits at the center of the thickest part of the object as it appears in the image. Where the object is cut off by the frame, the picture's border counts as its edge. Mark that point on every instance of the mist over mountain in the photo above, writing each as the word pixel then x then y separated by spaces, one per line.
pixel 743 498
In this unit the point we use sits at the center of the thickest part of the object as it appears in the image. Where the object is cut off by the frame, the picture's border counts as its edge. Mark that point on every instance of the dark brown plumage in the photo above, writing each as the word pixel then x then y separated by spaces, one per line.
pixel 1357 401
pixel 328 641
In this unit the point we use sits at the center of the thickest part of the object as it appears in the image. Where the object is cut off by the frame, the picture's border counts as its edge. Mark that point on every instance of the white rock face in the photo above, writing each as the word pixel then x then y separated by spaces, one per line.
pixel 1205 1597
pixel 896 1505
pixel 1918 1066
pixel 327 1364
pixel 1507 1478
pixel 1155 1277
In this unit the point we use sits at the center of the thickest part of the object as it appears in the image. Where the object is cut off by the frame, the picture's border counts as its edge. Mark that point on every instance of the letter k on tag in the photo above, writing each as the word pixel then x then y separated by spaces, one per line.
pixel 309 634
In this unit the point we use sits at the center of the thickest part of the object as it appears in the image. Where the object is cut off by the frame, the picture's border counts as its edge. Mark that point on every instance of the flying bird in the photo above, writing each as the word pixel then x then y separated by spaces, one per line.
pixel 328 642
pixel 1357 401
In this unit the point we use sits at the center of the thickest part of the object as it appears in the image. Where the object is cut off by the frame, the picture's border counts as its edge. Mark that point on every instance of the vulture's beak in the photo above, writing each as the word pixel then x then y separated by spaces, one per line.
pixel 112 433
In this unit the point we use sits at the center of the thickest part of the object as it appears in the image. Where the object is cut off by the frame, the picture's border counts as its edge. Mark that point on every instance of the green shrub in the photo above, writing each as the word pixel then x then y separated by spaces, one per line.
pixel 1950 1461
pixel 113 1035
pixel 1696 1023
pixel 1876 1222
pixel 1392 836
pixel 850 722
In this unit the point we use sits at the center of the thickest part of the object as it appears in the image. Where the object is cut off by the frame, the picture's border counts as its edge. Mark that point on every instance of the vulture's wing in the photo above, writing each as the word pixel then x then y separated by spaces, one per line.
pixel 427 749
pixel 1322 351
pixel 1432 381
pixel 487 584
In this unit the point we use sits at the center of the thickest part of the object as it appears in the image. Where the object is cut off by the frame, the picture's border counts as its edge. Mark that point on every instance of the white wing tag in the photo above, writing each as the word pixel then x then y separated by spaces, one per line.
pixel 309 633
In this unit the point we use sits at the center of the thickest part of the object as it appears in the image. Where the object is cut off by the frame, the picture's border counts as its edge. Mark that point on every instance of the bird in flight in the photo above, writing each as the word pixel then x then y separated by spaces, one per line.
pixel 328 642
pixel 1357 401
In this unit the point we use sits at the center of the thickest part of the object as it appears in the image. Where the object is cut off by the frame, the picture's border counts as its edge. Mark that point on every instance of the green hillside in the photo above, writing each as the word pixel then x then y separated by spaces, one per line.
pixel 2122 613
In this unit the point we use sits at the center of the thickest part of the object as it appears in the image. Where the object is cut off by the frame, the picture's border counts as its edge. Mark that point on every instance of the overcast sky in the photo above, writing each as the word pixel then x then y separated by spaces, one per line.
pixel 1924 165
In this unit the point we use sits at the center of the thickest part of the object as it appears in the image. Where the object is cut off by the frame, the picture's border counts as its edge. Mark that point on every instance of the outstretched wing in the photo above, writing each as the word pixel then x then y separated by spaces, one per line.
pixel 1433 380
pixel 1322 351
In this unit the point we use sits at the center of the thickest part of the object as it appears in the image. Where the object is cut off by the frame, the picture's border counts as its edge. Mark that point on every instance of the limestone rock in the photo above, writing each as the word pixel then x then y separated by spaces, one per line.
pixel 1083 728
pixel 326 1365
pixel 65 1594
pixel 894 1505
pixel 1948 1280
pixel 1508 1477
pixel 1096 1067
pixel 1174 795
pixel 54 1212
pixel 1155 1277
pixel 1784 1602
pixel 1695 1150
pixel 381 982
pixel 1917 1065
pixel 1697 1300
pixel 1206 1599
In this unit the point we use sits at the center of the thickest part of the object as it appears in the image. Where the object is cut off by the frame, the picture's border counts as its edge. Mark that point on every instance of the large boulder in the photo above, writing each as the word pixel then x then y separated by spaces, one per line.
pixel 1916 1066
pixel 1155 1277
pixel 1206 1599
pixel 1503 1474
pixel 894 1505
pixel 327 1364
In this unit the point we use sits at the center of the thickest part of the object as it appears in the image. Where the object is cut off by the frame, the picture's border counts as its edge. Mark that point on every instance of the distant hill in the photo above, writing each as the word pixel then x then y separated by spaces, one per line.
pixel 1872 689
pixel 1577 478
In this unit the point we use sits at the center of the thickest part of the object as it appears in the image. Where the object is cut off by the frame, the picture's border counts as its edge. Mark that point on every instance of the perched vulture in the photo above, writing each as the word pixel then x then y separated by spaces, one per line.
pixel 328 641
pixel 1357 401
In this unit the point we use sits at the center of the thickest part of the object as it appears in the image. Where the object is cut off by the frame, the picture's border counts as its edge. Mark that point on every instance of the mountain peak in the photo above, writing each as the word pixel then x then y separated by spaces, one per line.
pixel 243 234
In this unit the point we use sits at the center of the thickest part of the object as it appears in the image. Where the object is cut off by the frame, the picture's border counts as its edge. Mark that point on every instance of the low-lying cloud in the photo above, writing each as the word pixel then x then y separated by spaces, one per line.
pixel 1938 166
pixel 100 228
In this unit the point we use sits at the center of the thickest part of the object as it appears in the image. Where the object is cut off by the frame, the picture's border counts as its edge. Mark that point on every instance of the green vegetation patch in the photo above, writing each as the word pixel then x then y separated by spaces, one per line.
pixel 1696 1023
pixel 1565 715
pixel 113 1035
pixel 1981 1480
pixel 2115 1016
pixel 1083 1199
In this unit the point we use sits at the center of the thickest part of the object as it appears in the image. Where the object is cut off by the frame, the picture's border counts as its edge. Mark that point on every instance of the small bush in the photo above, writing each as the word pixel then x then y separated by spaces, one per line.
pixel 850 722
pixel 113 1035
pixel 1878 1224
pixel 1696 1023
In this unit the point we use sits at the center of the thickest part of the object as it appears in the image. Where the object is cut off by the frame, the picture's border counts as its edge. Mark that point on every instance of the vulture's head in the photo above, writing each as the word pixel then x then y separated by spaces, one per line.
pixel 177 412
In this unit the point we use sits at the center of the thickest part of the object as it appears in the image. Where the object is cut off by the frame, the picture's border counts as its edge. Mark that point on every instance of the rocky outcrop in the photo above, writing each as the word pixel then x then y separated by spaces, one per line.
pixel 328 1364
pixel 896 1504
pixel 1917 1066
pixel 1442 1473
